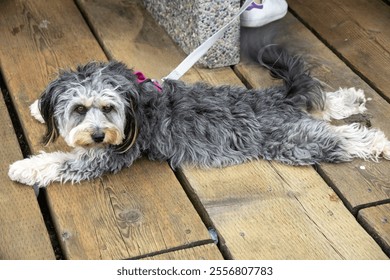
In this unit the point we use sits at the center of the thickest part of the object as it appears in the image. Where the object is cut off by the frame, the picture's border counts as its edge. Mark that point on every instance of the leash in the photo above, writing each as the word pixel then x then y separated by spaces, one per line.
pixel 195 55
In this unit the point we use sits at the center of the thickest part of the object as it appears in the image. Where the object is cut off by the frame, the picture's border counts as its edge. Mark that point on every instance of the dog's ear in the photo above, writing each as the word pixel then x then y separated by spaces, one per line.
pixel 132 124
pixel 46 105
pixel 125 81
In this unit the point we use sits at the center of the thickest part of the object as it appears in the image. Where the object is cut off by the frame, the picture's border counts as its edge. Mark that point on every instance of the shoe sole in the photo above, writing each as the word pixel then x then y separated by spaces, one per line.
pixel 260 22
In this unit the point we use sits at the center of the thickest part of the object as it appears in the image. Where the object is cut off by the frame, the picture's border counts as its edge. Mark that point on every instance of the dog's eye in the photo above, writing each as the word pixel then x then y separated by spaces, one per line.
pixel 107 109
pixel 82 110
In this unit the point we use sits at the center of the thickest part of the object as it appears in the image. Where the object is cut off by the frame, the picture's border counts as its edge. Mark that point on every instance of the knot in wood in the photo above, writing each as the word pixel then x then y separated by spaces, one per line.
pixel 131 216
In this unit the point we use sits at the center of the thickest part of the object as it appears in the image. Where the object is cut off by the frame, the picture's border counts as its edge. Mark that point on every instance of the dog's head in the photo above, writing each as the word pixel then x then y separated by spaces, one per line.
pixel 91 106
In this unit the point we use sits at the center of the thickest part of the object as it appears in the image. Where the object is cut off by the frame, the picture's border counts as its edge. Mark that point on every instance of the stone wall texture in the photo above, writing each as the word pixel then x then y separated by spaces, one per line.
pixel 191 22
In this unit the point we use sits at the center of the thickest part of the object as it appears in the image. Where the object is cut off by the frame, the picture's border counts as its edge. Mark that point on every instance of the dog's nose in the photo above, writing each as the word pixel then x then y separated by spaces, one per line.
pixel 98 137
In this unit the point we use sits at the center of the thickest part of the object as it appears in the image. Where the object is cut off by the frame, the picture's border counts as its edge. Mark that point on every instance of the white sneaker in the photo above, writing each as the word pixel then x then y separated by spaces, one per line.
pixel 257 15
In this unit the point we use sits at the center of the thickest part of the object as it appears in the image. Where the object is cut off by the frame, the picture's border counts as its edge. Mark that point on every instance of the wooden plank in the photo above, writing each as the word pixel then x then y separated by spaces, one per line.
pixel 357 30
pixel 227 188
pixel 359 182
pixel 136 44
pixel 142 45
pixel 23 234
pixel 204 252
pixel 376 220
pixel 271 211
pixel 125 215
pixel 144 214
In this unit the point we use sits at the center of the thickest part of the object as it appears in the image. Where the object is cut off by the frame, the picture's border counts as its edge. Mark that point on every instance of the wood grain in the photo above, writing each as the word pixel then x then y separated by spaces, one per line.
pixel 358 30
pixel 376 220
pixel 146 213
pixel 301 212
pixel 270 211
pixel 23 234
pixel 94 220
pixel 359 182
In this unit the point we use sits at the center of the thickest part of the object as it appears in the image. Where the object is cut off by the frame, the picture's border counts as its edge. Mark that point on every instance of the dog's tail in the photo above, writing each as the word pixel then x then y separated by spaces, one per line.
pixel 301 88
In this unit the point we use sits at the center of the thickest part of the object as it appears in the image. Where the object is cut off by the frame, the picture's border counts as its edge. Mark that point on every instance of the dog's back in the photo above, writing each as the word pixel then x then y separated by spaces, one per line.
pixel 218 126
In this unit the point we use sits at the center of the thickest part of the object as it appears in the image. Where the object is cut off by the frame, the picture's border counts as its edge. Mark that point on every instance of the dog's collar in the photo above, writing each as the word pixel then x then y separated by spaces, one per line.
pixel 142 79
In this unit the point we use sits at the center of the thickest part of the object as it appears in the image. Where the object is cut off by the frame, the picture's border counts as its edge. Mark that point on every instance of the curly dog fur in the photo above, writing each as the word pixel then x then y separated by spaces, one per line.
pixel 111 120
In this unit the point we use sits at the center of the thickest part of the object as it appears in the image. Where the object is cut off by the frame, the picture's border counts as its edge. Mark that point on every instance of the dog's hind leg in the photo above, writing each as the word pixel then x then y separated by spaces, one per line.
pixel 342 103
pixel 310 141
pixel 366 143
pixel 306 142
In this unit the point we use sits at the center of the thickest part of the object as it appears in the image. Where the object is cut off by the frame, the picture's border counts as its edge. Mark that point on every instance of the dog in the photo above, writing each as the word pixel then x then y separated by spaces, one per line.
pixel 110 118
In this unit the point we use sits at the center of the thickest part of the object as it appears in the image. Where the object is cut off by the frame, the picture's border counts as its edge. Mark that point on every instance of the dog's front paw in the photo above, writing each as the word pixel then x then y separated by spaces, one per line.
pixel 23 171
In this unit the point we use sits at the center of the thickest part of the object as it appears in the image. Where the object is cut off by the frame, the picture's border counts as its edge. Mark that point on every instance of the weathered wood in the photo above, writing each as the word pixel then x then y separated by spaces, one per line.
pixel 359 182
pixel 141 43
pixel 273 211
pixel 146 213
pixel 23 234
pixel 356 30
pixel 116 217
pixel 205 252
pixel 316 220
pixel 138 44
pixel 376 220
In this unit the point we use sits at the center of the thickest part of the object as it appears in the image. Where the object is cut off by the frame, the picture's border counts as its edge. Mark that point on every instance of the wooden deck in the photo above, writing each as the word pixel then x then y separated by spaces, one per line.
pixel 260 210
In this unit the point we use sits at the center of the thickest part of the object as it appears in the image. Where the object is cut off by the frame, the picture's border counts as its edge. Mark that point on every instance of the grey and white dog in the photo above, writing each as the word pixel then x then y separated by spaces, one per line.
pixel 111 120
